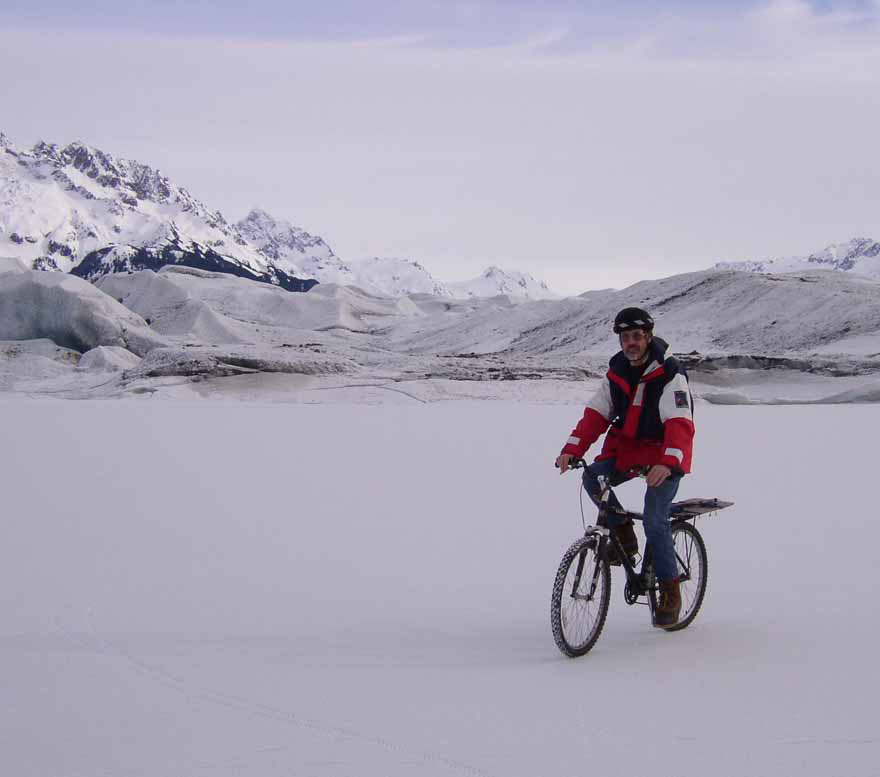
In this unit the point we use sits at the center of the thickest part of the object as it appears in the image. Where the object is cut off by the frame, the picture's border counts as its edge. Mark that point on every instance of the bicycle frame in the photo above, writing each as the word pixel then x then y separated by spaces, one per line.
pixel 639 582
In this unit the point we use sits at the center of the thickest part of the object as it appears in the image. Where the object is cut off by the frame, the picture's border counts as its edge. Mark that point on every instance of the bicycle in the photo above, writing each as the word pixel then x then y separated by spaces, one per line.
pixel 582 588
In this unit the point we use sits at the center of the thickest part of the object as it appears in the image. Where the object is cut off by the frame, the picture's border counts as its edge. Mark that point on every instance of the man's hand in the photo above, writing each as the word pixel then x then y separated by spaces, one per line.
pixel 563 460
pixel 657 474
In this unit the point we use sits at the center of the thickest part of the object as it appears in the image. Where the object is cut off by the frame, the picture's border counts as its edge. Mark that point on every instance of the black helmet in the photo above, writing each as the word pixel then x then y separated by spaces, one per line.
pixel 633 318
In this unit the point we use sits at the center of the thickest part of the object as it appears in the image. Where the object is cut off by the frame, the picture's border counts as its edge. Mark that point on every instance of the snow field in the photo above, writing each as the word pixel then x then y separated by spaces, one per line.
pixel 233 588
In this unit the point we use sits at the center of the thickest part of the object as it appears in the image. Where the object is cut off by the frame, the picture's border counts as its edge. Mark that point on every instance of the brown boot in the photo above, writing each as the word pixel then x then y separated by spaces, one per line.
pixel 627 536
pixel 668 605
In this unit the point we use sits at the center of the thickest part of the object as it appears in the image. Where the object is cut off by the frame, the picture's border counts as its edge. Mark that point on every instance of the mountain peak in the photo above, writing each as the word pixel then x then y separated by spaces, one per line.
pixel 292 248
pixel 5 142
pixel 861 255
pixel 261 226
pixel 845 256
pixel 495 280
pixel 123 179
pixel 260 217
pixel 78 145
pixel 396 277
pixel 395 260
pixel 87 159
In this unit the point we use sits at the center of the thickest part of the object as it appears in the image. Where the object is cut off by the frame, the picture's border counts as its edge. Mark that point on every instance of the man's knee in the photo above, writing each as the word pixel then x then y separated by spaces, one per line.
pixel 657 503
pixel 591 482
pixel 665 492
pixel 591 476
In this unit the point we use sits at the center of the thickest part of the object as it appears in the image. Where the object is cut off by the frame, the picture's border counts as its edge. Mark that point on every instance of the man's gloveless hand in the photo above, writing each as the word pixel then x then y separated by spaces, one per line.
pixel 563 460
pixel 657 475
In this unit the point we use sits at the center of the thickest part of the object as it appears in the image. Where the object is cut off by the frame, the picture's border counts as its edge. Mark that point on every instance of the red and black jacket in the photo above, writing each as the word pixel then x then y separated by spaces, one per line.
pixel 651 422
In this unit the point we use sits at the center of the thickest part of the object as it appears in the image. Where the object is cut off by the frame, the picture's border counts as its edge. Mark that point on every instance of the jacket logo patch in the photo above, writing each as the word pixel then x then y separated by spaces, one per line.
pixel 681 399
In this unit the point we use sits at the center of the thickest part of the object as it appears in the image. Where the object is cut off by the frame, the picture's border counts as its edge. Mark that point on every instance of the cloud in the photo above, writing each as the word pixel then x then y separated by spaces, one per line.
pixel 783 12
pixel 798 22
pixel 804 14
pixel 587 161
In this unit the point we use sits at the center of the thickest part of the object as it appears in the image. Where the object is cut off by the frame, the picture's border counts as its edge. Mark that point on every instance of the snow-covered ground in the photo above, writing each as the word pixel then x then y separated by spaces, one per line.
pixel 745 337
pixel 259 588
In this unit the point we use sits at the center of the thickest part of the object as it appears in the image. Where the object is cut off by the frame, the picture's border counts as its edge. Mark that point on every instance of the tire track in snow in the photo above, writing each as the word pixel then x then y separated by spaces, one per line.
pixel 266 711
pixel 369 385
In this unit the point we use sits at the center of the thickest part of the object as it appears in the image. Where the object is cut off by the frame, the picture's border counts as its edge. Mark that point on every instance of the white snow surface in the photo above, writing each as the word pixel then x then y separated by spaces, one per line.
pixel 36 363
pixel 262 589
pixel 108 358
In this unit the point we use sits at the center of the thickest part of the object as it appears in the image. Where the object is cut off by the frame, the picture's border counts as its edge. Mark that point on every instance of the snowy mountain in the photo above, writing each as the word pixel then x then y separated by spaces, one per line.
pixel 494 281
pixel 790 315
pixel 394 277
pixel 78 209
pixel 401 277
pixel 860 256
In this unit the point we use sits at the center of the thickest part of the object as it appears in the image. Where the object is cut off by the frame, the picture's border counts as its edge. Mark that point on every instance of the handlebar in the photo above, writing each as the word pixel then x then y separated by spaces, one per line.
pixel 632 472
pixel 575 463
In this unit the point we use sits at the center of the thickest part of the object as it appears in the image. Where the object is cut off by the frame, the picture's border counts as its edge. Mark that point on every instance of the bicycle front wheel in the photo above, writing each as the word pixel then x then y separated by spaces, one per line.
pixel 581 593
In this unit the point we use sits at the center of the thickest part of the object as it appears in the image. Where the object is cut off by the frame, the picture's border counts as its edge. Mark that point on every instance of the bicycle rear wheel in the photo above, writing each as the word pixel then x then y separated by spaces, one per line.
pixel 693 572
pixel 581 593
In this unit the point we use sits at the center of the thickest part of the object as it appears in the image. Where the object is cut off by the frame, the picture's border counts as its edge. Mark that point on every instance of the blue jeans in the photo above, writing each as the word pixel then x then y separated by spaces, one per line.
pixel 656 514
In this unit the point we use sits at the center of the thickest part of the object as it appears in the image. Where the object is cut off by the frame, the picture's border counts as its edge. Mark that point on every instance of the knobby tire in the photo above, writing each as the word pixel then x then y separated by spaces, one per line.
pixel 566 613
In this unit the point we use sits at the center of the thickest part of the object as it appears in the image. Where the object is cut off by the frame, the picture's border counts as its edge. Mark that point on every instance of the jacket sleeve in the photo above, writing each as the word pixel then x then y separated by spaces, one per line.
pixel 597 416
pixel 678 424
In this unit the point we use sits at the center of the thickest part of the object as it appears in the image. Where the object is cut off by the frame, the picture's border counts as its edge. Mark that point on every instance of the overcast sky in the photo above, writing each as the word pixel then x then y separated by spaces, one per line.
pixel 591 148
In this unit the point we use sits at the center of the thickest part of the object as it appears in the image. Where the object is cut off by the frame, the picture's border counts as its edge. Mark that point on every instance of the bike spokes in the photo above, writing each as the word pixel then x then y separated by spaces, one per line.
pixel 690 553
pixel 580 598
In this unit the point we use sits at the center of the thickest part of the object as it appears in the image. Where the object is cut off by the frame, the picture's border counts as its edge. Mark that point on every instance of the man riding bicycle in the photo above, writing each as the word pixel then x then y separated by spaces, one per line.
pixel 646 401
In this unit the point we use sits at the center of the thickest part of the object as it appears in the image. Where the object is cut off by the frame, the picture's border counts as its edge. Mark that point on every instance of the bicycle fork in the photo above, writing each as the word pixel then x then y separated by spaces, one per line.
pixel 597 567
pixel 603 538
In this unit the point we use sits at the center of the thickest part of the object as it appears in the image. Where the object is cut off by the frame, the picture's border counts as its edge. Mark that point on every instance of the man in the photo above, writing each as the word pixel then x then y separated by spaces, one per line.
pixel 646 401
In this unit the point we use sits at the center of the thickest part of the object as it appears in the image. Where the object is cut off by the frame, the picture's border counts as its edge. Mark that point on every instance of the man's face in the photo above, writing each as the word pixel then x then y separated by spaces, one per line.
pixel 634 344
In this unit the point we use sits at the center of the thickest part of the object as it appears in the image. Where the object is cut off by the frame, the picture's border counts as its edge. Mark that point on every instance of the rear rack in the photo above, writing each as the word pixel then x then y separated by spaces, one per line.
pixel 688 508
pixel 685 509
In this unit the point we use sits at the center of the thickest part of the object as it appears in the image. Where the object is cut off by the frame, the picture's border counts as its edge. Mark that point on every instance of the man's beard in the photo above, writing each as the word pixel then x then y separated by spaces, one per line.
pixel 635 354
